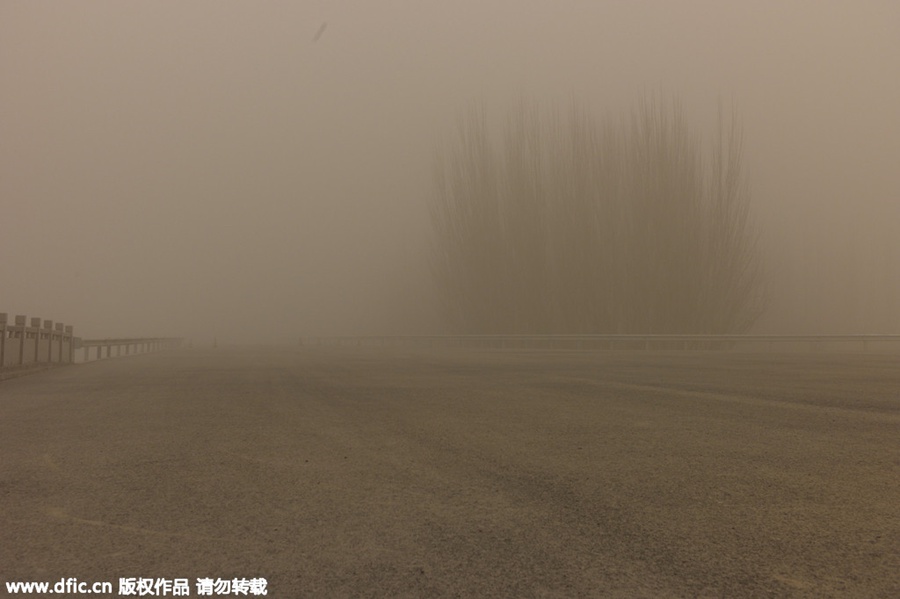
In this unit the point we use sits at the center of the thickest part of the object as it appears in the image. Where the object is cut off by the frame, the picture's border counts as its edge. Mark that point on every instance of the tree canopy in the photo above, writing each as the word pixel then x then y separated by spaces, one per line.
pixel 570 223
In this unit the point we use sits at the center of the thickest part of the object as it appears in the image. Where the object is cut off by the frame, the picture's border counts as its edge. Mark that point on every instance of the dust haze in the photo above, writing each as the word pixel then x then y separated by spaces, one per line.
pixel 256 172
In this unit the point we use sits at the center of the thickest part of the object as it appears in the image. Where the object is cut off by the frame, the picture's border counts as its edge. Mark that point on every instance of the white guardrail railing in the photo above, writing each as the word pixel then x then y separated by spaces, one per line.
pixel 610 342
pixel 125 346
pixel 34 342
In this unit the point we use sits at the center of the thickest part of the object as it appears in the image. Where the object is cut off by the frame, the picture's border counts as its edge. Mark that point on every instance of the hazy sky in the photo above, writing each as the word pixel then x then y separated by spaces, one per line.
pixel 207 169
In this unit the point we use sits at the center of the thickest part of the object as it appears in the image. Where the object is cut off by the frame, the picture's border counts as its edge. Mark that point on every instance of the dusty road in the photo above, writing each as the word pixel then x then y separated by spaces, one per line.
pixel 350 473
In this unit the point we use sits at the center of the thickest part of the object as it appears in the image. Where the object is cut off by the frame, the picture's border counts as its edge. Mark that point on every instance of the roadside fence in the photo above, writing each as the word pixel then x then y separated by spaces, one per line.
pixel 862 342
pixel 35 342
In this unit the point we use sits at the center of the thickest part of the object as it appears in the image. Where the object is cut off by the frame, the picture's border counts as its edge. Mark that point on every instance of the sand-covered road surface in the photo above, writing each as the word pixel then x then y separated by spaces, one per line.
pixel 357 473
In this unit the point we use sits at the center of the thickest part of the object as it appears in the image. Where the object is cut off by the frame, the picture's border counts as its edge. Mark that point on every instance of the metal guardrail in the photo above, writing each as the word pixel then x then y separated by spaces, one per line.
pixel 40 342
pixel 138 345
pixel 26 343
pixel 613 341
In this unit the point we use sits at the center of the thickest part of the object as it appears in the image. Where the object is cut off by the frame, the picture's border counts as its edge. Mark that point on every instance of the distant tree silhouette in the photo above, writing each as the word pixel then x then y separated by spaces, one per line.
pixel 578 225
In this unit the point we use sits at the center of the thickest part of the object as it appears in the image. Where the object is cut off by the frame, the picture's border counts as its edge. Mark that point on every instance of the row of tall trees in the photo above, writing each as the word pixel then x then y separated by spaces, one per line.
pixel 561 222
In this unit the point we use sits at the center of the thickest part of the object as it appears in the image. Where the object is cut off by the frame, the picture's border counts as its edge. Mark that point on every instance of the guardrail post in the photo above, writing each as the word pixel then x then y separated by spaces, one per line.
pixel 37 332
pixel 23 330
pixel 32 330
pixel 60 332
pixel 3 317
pixel 51 335
pixel 48 334
pixel 70 333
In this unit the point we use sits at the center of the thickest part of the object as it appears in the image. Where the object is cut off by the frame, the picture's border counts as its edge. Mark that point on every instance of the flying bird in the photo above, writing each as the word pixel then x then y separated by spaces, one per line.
pixel 320 31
